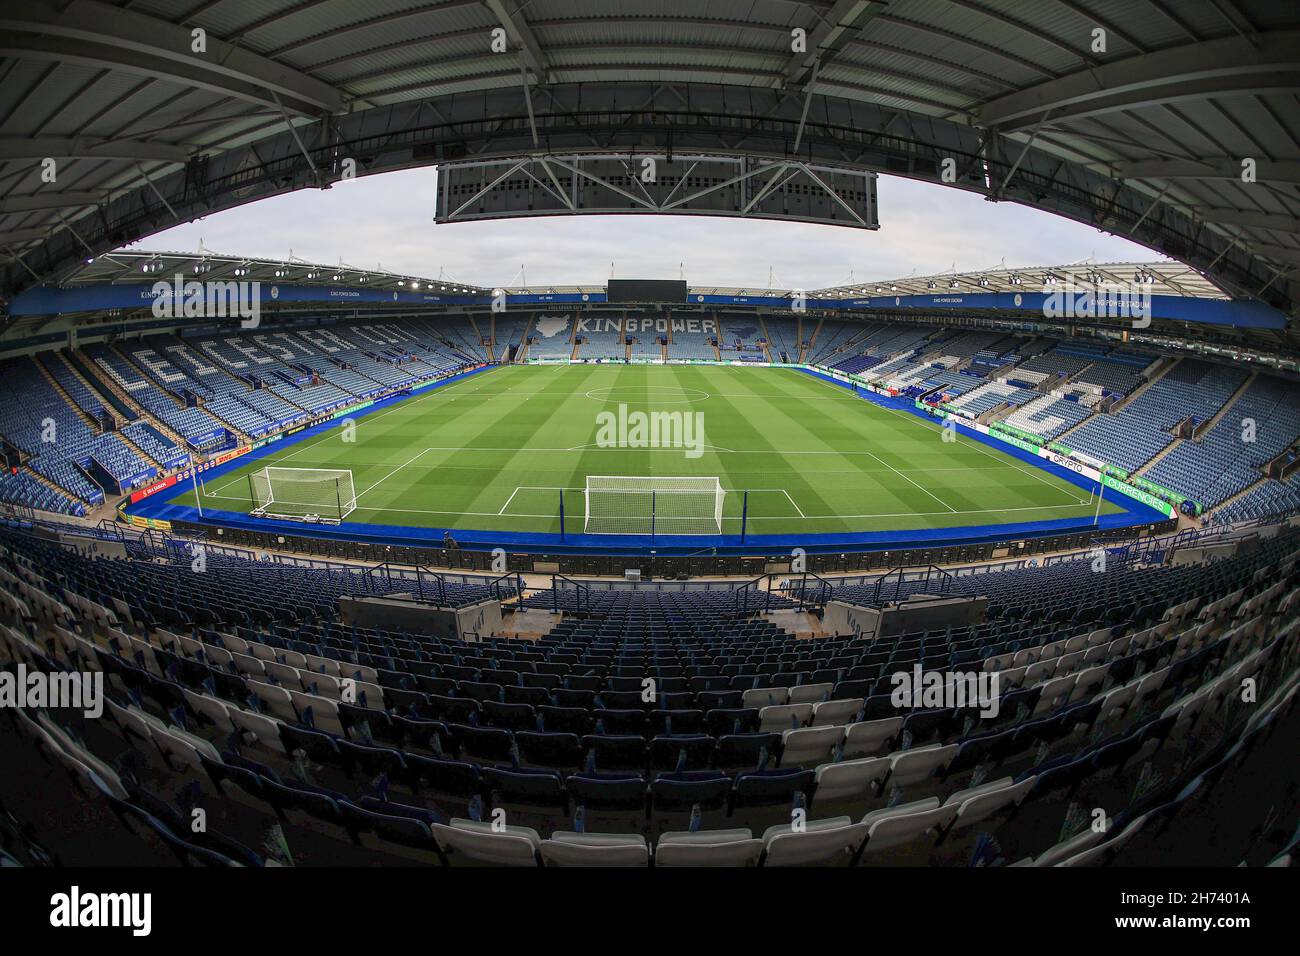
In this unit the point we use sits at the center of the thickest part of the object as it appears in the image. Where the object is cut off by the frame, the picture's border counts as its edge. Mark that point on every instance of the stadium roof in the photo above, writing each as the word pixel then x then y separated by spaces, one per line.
pixel 140 265
pixel 1139 117
pixel 1159 278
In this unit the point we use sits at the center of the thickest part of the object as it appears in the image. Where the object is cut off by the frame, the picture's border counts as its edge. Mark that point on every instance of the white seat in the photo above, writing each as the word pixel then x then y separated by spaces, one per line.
pixel 274 700
pixel 810 693
pixel 1041 670
pixel 1071 847
pixel 1111 844
pixel 836 712
pixel 913 766
pixel 809 745
pixel 566 848
pixel 322 665
pixel 285 676
pixel 247 666
pixel 708 848
pixel 1068 663
pixel 1088 682
pixel 324 712
pixel 783 717
pixel 263 728
pixel 327 685
pixel 849 779
pixel 765 696
pixel 293 659
pixel 821 842
pixel 980 803
pixel 1028 655
pixel 1117 700
pixel 1012 678
pixel 218 657
pixel 1052 693
pixel 210 707
pixel 184 748
pixel 511 846
pixel 867 738
pixel 367 693
pixel 131 719
pixel 358 672
pixel 895 826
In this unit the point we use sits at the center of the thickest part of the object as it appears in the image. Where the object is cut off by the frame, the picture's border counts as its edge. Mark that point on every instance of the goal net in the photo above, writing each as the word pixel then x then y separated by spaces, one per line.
pixel 302 494
pixel 623 504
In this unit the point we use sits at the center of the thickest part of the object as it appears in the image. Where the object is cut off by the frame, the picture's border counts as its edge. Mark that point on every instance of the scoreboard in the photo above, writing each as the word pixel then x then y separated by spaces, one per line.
pixel 645 290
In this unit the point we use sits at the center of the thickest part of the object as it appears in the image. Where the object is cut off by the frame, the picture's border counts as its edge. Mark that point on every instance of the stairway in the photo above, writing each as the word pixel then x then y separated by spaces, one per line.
pixel 1158 457
pixel 144 455
pixel 104 383
pixel 53 486
pixel 1133 395
pixel 1214 419
pixel 1241 494
pixel 63 393
pixel 812 342
pixel 480 336
pixel 1074 428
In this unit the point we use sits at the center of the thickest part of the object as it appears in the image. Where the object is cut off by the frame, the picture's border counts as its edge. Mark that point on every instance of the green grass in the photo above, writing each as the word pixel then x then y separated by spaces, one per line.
pixel 493 451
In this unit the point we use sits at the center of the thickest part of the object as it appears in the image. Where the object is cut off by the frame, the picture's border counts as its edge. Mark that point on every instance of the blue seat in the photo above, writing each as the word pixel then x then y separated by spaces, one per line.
pixel 607 791
pixel 765 788
pixel 677 792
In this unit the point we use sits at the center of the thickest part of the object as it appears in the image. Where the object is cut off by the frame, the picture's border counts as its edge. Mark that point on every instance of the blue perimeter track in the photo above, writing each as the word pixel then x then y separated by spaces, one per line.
pixel 160 507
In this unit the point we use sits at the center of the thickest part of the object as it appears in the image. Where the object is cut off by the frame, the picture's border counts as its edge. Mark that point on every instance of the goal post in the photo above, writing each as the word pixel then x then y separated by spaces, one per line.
pixel 631 504
pixel 302 494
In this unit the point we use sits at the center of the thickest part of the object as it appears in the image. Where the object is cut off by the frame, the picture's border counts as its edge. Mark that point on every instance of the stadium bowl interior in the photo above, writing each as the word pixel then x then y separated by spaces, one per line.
pixel 980 568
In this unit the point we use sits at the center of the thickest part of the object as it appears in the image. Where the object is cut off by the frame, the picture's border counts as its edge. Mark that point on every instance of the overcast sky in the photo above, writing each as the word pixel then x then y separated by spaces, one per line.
pixel 388 220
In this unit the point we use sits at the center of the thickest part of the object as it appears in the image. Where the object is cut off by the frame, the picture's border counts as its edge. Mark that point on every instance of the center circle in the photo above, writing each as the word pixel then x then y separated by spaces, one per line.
pixel 644 394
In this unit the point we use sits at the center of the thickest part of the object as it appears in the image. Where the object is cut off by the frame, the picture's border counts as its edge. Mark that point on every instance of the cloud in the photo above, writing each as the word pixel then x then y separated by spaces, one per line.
pixel 388 220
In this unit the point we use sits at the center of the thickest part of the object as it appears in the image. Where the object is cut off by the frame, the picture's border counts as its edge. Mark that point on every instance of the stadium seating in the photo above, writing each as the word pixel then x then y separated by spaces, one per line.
pixel 1192 389
pixel 743 721
pixel 1049 416
pixel 599 342
pixel 1227 459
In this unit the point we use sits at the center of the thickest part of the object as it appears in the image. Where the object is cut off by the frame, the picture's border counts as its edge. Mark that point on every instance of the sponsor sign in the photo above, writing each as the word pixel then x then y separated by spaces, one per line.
pixel 1138 494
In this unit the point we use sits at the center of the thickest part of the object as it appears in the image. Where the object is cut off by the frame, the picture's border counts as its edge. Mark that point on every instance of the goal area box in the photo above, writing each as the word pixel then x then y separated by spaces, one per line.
pixel 630 504
pixel 302 494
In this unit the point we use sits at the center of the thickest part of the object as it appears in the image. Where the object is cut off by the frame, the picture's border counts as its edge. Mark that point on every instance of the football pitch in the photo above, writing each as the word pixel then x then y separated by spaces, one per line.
pixel 496 451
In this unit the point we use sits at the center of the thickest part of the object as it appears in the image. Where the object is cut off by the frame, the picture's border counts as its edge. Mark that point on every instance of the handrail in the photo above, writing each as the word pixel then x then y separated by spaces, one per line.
pixel 944 577
pixel 579 589
pixel 824 590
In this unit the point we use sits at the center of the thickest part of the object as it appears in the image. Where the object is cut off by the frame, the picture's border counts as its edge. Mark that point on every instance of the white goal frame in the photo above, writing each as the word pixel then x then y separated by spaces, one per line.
pixel 336 496
pixel 653 505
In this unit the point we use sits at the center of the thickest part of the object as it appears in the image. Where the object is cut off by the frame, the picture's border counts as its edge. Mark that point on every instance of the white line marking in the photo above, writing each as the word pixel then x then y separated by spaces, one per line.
pixel 408 403
pixel 791 500
pixel 922 487
pixel 893 514
pixel 389 475
pixel 961 440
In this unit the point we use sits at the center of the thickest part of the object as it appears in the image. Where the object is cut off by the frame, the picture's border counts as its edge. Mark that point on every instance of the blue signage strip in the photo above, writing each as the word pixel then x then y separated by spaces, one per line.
pixel 1060 306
